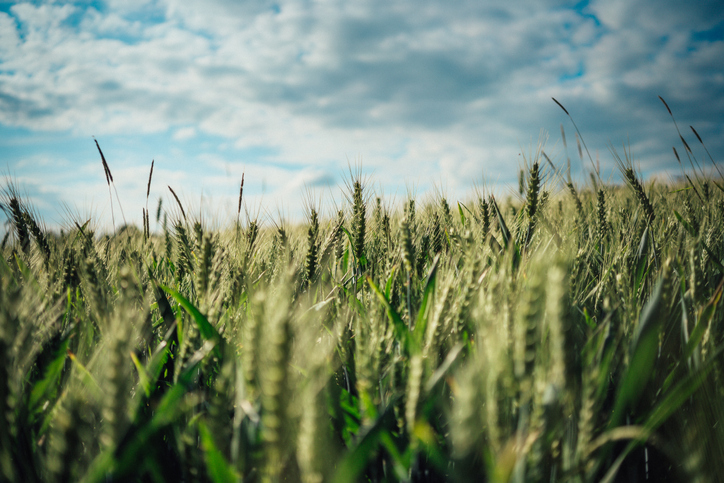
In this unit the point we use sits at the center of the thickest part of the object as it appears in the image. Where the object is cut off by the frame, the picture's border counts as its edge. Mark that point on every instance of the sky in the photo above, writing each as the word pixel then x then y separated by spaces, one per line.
pixel 419 96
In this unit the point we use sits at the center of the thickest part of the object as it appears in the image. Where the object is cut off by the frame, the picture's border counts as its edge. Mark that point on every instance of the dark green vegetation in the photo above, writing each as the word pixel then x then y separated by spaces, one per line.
pixel 574 334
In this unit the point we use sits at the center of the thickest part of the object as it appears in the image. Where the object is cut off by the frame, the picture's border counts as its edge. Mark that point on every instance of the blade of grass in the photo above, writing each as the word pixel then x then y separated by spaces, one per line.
pixel 403 333
pixel 670 404
pixel 144 379
pixel 354 463
pixel 643 355
pixel 220 471
pixel 207 330
pixel 45 387
pixel 90 382
pixel 422 315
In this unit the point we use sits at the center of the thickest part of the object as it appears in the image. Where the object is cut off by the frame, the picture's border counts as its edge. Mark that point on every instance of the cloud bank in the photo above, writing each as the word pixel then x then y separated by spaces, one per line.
pixel 423 92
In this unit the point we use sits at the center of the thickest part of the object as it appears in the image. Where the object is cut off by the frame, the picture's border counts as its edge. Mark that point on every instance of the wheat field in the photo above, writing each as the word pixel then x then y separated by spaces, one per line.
pixel 571 333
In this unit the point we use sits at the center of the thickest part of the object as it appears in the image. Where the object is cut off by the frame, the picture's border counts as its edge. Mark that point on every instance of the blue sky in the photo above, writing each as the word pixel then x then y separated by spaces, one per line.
pixel 423 94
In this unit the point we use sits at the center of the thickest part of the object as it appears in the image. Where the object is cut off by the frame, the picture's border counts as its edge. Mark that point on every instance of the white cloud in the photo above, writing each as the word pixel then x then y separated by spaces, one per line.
pixel 417 89
pixel 184 133
pixel 8 34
